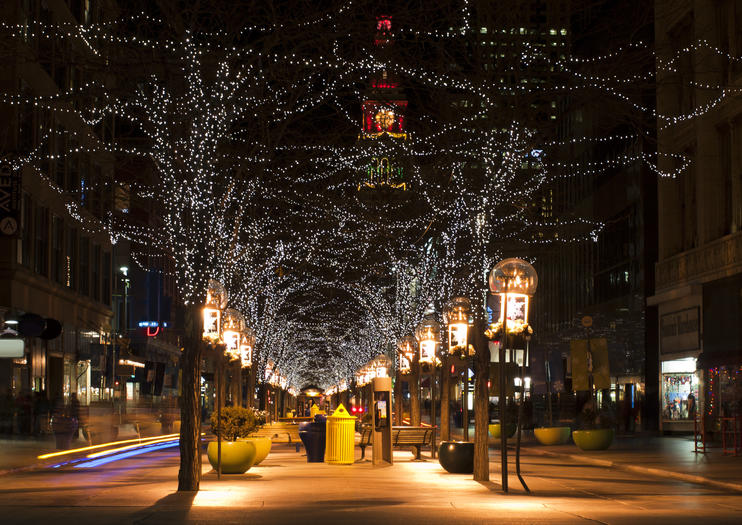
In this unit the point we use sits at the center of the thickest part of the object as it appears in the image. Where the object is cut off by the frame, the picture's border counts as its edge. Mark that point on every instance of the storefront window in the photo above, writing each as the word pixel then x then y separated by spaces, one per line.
pixel 679 390
pixel 724 391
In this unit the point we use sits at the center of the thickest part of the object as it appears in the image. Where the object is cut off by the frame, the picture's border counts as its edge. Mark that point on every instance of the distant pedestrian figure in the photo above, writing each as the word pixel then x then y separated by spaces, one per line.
pixel 75 413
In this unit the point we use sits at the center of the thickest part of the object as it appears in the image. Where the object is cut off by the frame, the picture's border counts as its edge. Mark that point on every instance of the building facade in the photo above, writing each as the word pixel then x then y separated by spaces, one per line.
pixel 56 265
pixel 699 274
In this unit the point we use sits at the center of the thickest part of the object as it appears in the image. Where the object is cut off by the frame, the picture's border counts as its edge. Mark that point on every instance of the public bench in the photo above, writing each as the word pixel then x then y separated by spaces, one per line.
pixel 404 436
pixel 280 432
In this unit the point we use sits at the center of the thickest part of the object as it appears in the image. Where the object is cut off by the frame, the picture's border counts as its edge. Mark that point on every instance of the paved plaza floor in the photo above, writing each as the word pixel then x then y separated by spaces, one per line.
pixel 287 489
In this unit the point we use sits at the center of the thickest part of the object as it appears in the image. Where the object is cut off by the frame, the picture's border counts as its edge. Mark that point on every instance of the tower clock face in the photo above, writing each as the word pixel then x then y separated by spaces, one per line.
pixel 385 118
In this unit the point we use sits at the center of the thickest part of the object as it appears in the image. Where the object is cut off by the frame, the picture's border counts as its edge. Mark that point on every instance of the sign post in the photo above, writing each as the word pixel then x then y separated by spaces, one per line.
pixel 10 199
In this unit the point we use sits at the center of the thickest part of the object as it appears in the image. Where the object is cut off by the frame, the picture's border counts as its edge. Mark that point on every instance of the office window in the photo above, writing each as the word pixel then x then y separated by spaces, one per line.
pixel 58 264
pixel 41 251
pixel 95 274
pixel 84 268
pixel 27 231
pixel 106 280
pixel 71 258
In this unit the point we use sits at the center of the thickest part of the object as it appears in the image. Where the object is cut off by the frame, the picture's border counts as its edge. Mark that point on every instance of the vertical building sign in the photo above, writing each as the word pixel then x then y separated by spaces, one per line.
pixel 10 198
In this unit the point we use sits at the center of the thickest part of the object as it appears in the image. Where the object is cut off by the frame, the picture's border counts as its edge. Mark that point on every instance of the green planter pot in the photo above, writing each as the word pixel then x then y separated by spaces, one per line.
pixel 262 448
pixel 237 456
pixel 552 435
pixel 598 439
pixel 495 430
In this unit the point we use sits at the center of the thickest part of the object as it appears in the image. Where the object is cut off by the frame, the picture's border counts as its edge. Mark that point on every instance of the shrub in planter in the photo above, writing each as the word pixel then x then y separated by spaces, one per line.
pixel 235 423
pixel 596 427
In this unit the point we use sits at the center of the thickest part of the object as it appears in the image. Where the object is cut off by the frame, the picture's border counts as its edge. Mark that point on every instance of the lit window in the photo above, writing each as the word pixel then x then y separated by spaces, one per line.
pixel 483 30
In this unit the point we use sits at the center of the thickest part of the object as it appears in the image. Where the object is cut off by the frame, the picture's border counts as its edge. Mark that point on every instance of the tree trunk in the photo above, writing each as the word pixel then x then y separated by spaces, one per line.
pixel 415 393
pixel 446 399
pixel 189 475
pixel 481 405
pixel 398 406
pixel 235 383
pixel 250 397
pixel 251 387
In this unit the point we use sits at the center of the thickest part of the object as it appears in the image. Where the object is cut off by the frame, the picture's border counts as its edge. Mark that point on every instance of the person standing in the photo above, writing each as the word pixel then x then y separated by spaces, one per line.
pixel 691 403
pixel 75 413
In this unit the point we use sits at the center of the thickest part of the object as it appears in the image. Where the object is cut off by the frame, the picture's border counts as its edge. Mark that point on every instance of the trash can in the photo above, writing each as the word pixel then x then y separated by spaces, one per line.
pixel 314 439
pixel 341 434
pixel 303 432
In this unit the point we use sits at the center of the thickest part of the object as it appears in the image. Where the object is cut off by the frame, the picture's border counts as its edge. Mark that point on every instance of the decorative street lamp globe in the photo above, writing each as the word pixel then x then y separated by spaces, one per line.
pixel 456 316
pixel 216 301
pixel 405 351
pixel 514 281
pixel 427 334
pixel 216 295
pixel 513 276
pixel 247 343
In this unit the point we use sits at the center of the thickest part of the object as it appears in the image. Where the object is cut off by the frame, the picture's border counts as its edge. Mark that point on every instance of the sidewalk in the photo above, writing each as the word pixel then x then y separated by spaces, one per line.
pixel 665 457
pixel 659 456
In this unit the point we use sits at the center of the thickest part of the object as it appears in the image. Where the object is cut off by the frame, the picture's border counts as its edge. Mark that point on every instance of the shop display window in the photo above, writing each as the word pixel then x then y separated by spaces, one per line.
pixel 679 396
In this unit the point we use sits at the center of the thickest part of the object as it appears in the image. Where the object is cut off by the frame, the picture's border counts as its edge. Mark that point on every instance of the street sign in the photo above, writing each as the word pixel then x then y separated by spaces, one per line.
pixel 590 358
pixel 10 198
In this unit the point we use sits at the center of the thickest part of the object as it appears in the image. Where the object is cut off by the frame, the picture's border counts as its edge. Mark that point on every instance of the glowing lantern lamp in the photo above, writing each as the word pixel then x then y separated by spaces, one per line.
pixel 216 301
pixel 380 366
pixel 405 349
pixel 246 345
pixel 456 315
pixel 233 325
pixel 427 335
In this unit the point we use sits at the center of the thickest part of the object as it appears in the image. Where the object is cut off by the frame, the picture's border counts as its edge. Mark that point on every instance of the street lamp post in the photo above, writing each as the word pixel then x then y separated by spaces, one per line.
pixel 234 328
pixel 456 316
pixel 428 335
pixel 515 281
pixel 216 302
pixel 247 343
pixel 405 349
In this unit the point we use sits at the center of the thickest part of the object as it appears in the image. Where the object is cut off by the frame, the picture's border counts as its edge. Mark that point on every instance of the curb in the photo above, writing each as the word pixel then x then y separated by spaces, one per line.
pixel 636 469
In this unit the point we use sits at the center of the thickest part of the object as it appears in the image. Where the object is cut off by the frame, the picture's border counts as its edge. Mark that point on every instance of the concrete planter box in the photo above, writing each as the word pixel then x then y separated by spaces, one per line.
pixel 598 439
pixel 552 435
pixel 237 456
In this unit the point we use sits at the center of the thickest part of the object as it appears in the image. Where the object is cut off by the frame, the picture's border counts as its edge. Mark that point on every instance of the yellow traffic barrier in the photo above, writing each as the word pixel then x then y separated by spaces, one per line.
pixel 340 440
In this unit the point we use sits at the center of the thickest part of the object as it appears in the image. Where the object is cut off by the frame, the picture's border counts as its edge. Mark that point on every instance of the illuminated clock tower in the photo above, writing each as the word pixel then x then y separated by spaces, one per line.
pixel 383 125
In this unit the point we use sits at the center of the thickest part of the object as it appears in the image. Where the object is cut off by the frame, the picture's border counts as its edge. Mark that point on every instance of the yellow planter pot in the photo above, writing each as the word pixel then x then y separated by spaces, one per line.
pixel 262 448
pixel 552 435
pixel 237 456
pixel 495 430
pixel 599 439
